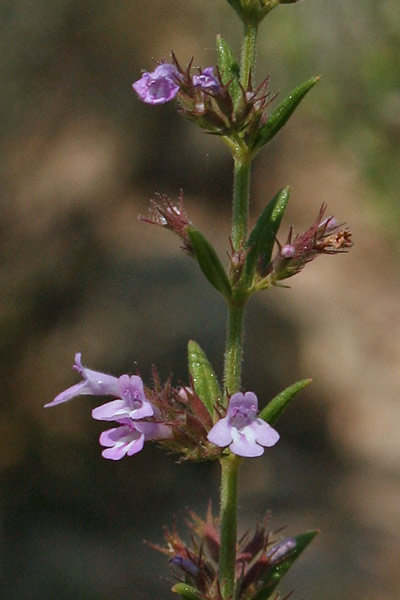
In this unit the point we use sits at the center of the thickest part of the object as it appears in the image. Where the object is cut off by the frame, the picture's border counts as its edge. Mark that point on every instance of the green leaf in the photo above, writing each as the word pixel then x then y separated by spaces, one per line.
pixel 187 592
pixel 273 577
pixel 281 114
pixel 229 68
pixel 204 379
pixel 210 263
pixel 262 238
pixel 275 408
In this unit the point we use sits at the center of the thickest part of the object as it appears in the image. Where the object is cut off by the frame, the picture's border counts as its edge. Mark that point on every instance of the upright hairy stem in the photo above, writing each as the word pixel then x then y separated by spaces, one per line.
pixel 228 524
pixel 232 377
pixel 234 349
pixel 241 192
pixel 234 339
pixel 248 57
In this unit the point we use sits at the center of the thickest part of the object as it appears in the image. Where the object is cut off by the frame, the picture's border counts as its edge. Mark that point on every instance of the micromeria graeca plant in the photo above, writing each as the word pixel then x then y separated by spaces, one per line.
pixel 206 420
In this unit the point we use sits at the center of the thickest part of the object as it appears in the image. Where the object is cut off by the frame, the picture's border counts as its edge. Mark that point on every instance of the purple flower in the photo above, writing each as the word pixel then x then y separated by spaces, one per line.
pixel 131 403
pixel 129 438
pixel 206 80
pixel 94 383
pixel 160 86
pixel 241 430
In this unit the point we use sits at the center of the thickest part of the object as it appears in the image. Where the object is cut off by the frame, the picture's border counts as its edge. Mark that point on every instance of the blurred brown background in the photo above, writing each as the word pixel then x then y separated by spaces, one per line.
pixel 80 159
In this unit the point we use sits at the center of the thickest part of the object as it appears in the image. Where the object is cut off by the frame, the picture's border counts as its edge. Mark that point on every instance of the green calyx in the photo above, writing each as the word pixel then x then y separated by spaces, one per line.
pixel 253 11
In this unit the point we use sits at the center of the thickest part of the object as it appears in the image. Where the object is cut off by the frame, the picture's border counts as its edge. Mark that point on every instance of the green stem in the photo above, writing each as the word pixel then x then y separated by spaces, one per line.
pixel 234 338
pixel 241 192
pixel 234 349
pixel 228 525
pixel 249 52
pixel 232 376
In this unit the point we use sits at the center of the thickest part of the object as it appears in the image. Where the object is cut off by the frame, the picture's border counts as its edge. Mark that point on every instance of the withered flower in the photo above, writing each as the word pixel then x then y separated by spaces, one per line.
pixel 172 216
pixel 325 236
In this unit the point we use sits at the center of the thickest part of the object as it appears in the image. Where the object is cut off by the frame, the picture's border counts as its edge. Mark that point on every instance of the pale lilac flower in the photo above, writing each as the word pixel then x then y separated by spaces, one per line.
pixel 206 80
pixel 131 403
pixel 129 437
pixel 241 430
pixel 94 383
pixel 159 86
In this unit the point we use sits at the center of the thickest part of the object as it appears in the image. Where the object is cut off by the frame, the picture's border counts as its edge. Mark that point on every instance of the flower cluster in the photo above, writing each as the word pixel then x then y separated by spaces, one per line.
pixel 164 83
pixel 129 410
pixel 259 563
pixel 325 236
pixel 176 417
pixel 222 108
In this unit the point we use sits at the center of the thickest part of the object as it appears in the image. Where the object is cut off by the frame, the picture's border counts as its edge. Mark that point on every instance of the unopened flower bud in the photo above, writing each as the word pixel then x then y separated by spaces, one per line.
pixel 288 250
pixel 329 223
pixel 185 564
pixel 281 549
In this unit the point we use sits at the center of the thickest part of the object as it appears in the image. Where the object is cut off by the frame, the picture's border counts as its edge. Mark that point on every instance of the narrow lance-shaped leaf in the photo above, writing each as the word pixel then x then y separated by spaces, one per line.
pixel 282 565
pixel 204 379
pixel 281 114
pixel 275 408
pixel 229 68
pixel 262 238
pixel 210 263
pixel 187 592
